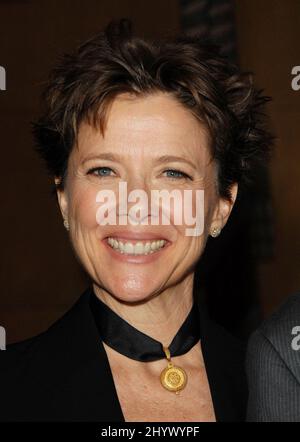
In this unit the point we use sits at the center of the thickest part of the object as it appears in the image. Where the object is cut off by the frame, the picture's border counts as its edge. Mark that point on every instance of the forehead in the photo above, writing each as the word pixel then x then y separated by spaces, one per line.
pixel 147 125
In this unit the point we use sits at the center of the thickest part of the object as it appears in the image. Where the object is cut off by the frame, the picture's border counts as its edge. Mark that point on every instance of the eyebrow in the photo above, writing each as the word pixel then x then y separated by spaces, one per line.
pixel 102 156
pixel 118 158
pixel 170 158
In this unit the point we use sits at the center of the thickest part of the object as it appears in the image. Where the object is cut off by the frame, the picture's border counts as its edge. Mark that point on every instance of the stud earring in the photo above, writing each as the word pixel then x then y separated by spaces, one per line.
pixel 215 232
pixel 66 224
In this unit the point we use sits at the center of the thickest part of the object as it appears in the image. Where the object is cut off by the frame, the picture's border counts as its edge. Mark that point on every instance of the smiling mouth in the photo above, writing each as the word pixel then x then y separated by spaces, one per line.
pixel 136 248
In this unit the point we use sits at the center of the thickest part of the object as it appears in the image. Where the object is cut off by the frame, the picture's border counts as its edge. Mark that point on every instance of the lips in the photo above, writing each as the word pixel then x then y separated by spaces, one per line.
pixel 138 236
pixel 136 245
pixel 144 247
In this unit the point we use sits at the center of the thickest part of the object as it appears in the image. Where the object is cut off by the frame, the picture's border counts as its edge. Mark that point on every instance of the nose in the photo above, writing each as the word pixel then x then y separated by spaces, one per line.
pixel 137 191
pixel 138 181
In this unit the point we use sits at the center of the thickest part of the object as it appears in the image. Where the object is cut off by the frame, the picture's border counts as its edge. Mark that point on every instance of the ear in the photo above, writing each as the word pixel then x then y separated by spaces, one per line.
pixel 62 199
pixel 223 209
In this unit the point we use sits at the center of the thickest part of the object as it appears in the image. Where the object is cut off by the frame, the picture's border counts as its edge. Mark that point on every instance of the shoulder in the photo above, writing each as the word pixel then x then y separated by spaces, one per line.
pixel 232 351
pixel 278 329
pixel 52 341
pixel 23 350
pixel 287 315
pixel 15 356
pixel 273 366
pixel 271 348
pixel 34 368
pixel 221 345
pixel 18 354
pixel 224 357
pixel 17 379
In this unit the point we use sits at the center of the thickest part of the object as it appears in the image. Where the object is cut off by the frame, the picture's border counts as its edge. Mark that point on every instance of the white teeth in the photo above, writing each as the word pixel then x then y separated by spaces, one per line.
pixel 147 247
pixel 139 248
pixel 154 245
pixel 128 248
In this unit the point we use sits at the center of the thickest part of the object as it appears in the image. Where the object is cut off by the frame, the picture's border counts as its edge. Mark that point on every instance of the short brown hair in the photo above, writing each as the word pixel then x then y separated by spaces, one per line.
pixel 83 84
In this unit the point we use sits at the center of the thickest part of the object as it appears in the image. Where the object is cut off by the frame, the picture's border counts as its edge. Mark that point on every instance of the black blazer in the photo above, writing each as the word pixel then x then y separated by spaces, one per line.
pixel 63 374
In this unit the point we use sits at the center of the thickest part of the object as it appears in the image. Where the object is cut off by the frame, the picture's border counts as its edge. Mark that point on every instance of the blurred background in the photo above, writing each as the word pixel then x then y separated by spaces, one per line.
pixel 249 270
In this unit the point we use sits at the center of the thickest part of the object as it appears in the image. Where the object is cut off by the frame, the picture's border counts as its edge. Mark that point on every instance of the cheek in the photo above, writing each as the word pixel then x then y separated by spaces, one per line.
pixel 196 215
pixel 84 207
pixel 190 213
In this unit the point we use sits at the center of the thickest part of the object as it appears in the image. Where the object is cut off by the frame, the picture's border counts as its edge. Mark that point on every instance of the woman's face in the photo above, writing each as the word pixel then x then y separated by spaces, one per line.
pixel 150 143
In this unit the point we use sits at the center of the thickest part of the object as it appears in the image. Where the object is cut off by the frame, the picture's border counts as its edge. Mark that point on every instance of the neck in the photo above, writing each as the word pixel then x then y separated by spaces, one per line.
pixel 159 317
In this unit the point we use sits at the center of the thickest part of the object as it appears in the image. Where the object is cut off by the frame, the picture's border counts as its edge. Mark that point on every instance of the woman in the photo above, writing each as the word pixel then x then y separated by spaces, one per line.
pixel 273 366
pixel 172 116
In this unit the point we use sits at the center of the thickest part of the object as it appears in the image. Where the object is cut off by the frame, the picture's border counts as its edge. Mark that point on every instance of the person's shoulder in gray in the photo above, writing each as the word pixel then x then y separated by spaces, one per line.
pixel 273 366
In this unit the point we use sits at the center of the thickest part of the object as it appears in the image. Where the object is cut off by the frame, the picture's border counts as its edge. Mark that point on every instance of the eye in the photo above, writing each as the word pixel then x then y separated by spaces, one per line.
pixel 177 174
pixel 100 171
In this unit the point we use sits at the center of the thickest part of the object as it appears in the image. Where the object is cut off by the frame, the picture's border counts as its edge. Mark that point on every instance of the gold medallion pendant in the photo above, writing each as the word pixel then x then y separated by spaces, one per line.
pixel 172 378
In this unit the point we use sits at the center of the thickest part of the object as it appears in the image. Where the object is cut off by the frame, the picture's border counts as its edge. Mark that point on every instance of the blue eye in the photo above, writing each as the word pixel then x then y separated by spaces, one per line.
pixel 177 174
pixel 105 171
pixel 98 171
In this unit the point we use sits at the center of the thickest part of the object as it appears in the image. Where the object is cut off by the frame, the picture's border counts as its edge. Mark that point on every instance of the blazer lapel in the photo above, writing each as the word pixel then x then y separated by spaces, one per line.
pixel 224 362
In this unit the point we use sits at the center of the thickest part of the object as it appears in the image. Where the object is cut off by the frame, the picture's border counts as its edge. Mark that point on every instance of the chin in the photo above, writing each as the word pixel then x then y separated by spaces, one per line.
pixel 132 289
